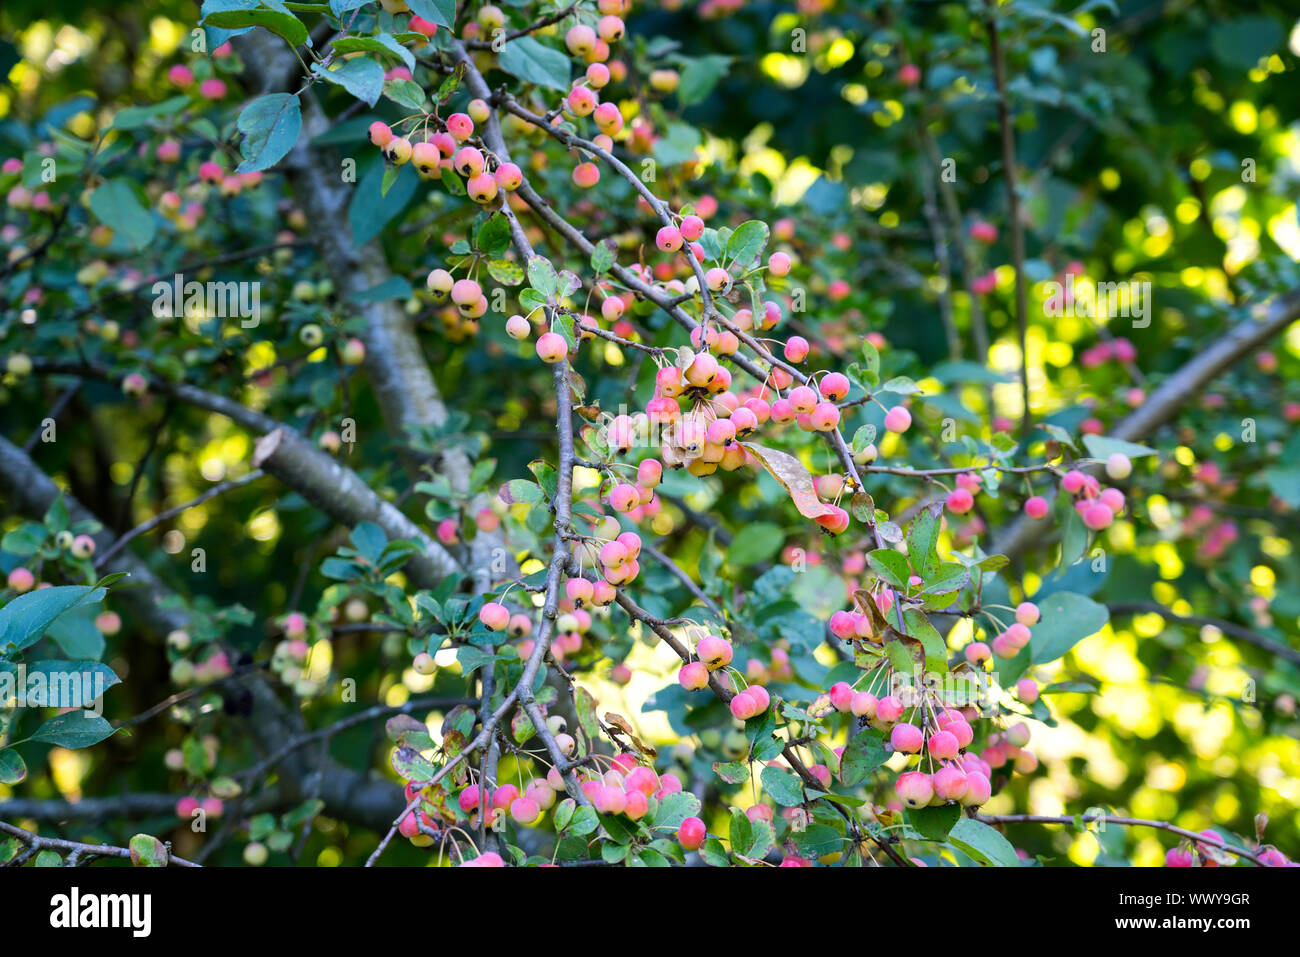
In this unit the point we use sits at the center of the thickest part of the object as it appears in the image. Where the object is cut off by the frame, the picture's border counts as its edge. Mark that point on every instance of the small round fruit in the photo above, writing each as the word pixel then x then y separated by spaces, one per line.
pixel 552 347
pixel 898 419
pixel 691 833
pixel 494 616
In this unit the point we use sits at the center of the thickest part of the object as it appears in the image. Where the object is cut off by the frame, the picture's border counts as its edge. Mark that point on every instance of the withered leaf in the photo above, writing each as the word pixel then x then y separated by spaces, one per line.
pixel 794 478
pixel 621 724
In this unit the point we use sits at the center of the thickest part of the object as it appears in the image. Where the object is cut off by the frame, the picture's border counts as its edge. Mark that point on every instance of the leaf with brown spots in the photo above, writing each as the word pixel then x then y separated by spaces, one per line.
pixel 794 478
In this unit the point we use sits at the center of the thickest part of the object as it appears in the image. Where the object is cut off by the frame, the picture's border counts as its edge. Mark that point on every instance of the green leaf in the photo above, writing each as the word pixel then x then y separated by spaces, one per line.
pixel 65 684
pixel 25 619
pixel 863 437
pixel 864 753
pixel 967 371
pixel 471 658
pixel 564 813
pixel 614 853
pixel 520 490
pixel 891 566
pixel 714 853
pixel 784 787
pixel 1066 620
pixel 733 772
pixel 147 851
pixel 369 539
pixel 405 93
pixel 372 209
pixel 12 767
pixel 751 839
pixel 134 117
pixel 270 125
pixel 1243 41
pixel 493 236
pixel 586 707
pixel 936 650
pixel 699 76
pixel 584 821
pixel 602 258
pixel 534 62
pixel 382 43
pixel 563 323
pixel 410 765
pixel 746 244
pixel 899 656
pixel 546 475
pixel 282 24
pixel 56 516
pixel 115 205
pixel 74 729
pixel 1103 447
pixel 983 843
pixel 923 540
pixel 441 12
pixel 900 385
pixel 394 287
pixel 363 78
pixel 77 635
pixel 934 823
pixel 452 183
pixel 871 358
pixel 1285 484
pixel 542 276
pixel 952 576
pixel 675 808
pixel 754 543
pixel 677 145
pixel 24 540
pixel 818 840
pixel 1074 538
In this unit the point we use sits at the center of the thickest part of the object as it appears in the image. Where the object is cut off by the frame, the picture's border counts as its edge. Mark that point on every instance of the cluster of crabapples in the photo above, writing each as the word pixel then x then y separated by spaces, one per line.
pixel 195 665
pixel 938 732
pixel 946 772
pixel 1006 645
pixel 699 423
pixel 1097 505
pixel 485 175
pixel 289 658
pixel 167 151
pixel 447 149
pixel 714 653
pixel 619 561
pixel 1190 853
pixel 627 788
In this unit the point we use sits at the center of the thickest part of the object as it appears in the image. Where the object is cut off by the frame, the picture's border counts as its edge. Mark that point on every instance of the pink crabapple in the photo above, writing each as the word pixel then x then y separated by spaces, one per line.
pixel 898 419
pixel 691 833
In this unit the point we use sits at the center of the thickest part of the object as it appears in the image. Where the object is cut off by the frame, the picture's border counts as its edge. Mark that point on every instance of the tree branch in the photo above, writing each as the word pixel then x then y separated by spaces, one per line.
pixel 1270 319
pixel 1200 621
pixel 35 842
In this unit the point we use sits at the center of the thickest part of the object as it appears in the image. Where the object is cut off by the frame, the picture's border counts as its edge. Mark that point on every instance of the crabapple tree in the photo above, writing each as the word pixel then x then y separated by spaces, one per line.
pixel 829 434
